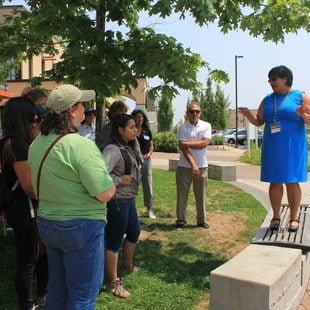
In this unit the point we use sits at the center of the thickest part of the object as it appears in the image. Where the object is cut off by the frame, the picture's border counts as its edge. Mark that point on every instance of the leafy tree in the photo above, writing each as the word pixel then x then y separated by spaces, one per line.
pixel 214 106
pixel 150 103
pixel 207 102
pixel 7 69
pixel 222 105
pixel 164 112
pixel 105 49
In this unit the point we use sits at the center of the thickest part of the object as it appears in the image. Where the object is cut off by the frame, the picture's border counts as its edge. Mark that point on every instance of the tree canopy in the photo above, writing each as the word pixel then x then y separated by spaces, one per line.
pixel 164 112
pixel 105 49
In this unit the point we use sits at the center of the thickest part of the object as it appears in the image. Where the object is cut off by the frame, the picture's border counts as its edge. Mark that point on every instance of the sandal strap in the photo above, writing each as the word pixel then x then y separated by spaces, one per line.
pixel 297 221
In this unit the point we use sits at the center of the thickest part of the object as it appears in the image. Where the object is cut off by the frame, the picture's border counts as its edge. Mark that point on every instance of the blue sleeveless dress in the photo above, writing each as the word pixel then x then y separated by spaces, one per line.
pixel 285 153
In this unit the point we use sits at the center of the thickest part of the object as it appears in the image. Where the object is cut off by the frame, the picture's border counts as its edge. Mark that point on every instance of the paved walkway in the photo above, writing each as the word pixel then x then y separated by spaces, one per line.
pixel 248 176
pixel 248 179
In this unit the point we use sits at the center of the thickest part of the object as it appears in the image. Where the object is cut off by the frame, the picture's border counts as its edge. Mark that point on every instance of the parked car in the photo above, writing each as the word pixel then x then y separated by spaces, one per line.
pixel 231 138
pixel 243 139
pixel 229 131
pixel 222 133
pixel 218 133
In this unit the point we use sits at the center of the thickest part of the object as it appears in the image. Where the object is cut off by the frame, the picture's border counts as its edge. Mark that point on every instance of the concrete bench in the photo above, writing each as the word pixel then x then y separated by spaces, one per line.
pixel 260 278
pixel 222 172
pixel 173 163
pixel 218 171
pixel 272 273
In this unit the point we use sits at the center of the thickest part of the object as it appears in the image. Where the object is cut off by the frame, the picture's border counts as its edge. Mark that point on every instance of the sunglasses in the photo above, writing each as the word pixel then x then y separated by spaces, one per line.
pixel 194 111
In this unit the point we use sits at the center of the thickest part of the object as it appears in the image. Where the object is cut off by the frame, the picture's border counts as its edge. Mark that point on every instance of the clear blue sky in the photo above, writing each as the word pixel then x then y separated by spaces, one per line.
pixel 219 51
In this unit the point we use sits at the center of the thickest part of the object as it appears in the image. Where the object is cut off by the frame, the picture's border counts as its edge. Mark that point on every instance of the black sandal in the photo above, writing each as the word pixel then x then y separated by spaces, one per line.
pixel 293 228
pixel 274 224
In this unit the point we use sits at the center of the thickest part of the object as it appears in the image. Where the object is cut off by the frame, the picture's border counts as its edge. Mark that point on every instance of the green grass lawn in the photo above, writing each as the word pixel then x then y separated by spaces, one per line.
pixel 254 157
pixel 176 265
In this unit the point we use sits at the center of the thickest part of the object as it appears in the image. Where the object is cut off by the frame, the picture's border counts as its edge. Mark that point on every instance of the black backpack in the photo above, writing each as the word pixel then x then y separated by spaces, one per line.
pixel 6 193
pixel 126 157
pixel 127 161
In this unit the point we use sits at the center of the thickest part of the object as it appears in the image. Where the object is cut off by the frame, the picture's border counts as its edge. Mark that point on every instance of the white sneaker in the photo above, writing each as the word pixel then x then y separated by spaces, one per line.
pixel 151 214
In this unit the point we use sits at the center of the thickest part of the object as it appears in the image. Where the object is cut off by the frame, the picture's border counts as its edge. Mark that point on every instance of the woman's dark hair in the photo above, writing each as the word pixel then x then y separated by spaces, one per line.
pixel 120 120
pixel 35 94
pixel 56 123
pixel 18 116
pixel 17 119
pixel 145 124
pixel 281 72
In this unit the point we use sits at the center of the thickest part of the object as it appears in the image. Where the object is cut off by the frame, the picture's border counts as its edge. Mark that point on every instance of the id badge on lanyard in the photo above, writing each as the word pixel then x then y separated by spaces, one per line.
pixel 275 127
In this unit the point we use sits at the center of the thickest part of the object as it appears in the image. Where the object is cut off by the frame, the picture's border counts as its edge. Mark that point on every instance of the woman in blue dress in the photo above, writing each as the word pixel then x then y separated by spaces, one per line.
pixel 284 156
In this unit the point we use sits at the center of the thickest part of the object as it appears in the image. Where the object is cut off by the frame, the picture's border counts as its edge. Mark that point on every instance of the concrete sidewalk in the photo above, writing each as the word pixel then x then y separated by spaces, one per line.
pixel 248 179
pixel 248 176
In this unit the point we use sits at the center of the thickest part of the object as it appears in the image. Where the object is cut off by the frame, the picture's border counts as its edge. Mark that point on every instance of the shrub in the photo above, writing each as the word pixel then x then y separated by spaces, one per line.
pixel 252 157
pixel 216 141
pixel 165 142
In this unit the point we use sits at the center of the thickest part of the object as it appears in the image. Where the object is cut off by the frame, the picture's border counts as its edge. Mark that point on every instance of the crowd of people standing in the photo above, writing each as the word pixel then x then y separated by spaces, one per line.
pixel 74 203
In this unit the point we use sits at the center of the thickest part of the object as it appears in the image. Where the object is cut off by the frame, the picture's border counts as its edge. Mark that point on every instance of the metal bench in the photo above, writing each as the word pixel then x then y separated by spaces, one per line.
pixel 282 237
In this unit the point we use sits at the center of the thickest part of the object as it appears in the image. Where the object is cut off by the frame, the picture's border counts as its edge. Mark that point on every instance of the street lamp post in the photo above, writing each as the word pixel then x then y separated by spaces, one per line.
pixel 236 89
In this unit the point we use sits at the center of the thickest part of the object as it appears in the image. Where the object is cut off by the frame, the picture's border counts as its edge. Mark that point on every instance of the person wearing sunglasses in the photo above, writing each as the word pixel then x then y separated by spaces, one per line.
pixel 193 138
pixel 284 156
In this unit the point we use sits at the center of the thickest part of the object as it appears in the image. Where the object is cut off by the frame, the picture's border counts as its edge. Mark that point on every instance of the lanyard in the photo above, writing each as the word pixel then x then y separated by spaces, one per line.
pixel 275 107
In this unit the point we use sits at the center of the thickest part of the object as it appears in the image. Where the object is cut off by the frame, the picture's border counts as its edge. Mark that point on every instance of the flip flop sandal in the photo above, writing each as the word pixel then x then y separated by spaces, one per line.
pixel 274 224
pixel 293 228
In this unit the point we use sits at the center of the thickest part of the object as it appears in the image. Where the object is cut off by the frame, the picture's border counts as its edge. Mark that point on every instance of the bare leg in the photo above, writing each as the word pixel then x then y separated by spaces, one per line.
pixel 275 196
pixel 128 253
pixel 294 198
pixel 115 285
pixel 111 263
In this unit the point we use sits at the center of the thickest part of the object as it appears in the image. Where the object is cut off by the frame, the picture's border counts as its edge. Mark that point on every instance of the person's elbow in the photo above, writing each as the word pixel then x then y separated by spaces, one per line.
pixel 107 194
pixel 205 142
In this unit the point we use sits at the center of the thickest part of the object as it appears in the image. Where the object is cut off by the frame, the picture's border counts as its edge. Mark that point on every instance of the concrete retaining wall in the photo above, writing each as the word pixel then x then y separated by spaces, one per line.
pixel 221 172
pixel 260 278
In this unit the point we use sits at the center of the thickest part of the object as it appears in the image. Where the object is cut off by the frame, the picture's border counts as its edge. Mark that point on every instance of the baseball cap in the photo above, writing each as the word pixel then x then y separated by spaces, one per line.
pixel 90 111
pixel 65 96
pixel 40 110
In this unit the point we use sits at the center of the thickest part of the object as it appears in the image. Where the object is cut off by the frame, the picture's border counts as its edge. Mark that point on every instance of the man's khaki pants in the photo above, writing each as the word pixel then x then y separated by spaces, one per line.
pixel 184 178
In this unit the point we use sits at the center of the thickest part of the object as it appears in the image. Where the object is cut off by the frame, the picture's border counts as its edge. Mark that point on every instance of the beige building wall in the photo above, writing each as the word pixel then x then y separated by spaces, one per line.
pixel 8 9
pixel 242 121
pixel 138 94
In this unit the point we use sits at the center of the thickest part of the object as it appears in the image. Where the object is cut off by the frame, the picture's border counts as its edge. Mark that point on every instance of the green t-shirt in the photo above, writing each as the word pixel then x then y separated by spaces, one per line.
pixel 73 173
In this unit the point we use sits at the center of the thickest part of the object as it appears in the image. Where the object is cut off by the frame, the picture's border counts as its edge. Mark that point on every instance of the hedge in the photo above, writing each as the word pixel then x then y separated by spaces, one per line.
pixel 167 142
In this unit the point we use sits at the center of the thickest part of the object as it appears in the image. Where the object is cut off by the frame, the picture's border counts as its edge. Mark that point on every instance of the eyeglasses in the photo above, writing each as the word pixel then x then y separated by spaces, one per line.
pixel 194 111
